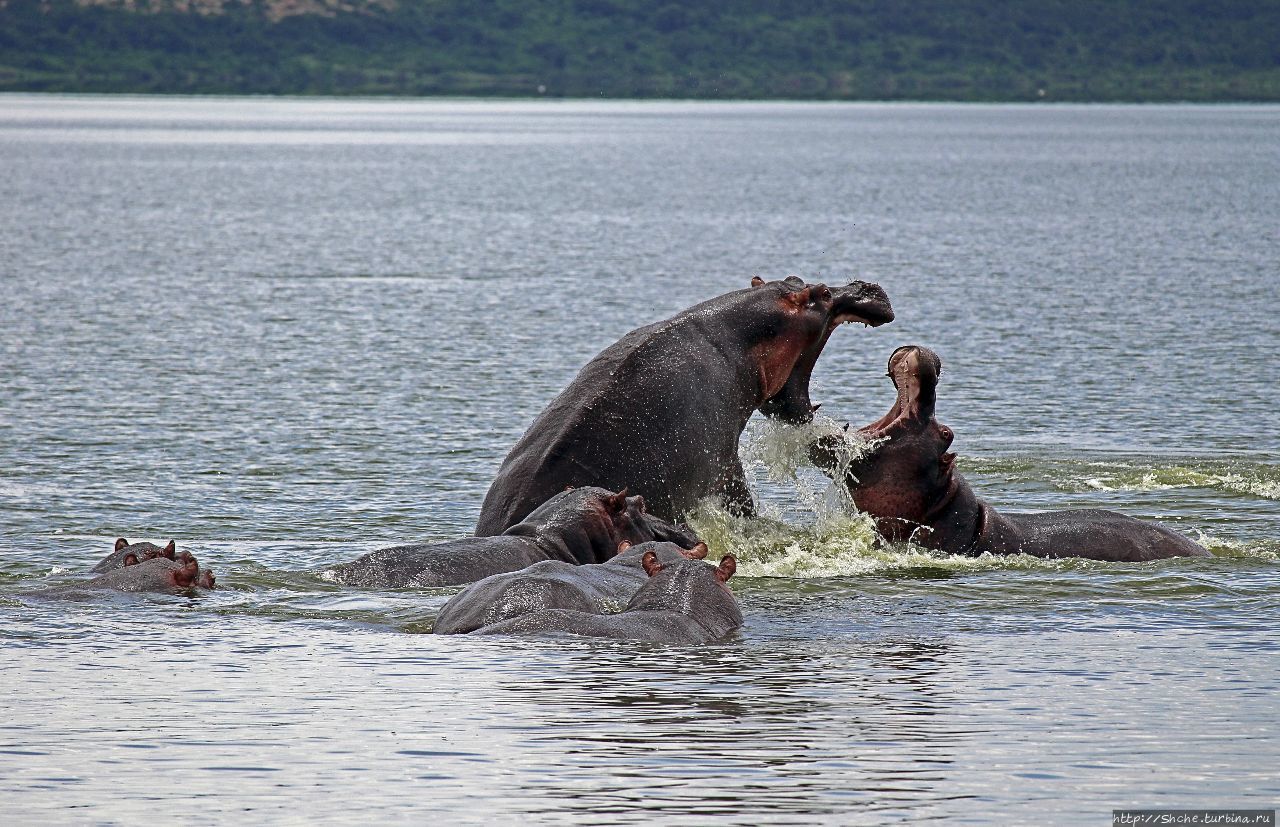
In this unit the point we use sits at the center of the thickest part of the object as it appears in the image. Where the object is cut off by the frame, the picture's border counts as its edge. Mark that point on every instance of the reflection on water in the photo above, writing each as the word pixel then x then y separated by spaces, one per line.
pixel 287 332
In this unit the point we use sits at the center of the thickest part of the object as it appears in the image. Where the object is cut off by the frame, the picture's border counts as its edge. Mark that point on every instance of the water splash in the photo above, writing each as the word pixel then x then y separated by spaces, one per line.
pixel 1108 476
pixel 1124 477
pixel 778 451
pixel 841 546
pixel 1266 550
pixel 837 541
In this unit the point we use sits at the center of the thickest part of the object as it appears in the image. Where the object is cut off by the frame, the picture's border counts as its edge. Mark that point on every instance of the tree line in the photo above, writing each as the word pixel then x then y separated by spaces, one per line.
pixel 999 50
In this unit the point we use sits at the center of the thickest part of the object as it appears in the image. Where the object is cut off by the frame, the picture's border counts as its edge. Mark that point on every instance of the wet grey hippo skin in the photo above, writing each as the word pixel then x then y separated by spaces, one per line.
pixel 661 410
pixel 598 588
pixel 583 525
pixel 140 551
pixel 155 574
pixel 681 602
pixel 910 486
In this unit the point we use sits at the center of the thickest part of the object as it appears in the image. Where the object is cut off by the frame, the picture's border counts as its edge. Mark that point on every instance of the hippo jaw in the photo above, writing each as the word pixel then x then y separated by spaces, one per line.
pixel 914 371
pixel 909 479
pixel 858 301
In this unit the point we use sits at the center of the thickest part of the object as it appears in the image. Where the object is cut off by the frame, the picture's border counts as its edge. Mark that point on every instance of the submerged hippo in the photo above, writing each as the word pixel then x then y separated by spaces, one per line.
pixel 597 588
pixel 662 409
pixel 157 573
pixel 582 525
pixel 139 551
pixel 681 602
pixel 909 484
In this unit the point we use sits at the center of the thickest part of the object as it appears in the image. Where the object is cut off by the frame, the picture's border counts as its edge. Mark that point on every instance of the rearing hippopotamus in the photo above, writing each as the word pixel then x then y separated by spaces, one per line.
pixel 661 410
pixel 909 484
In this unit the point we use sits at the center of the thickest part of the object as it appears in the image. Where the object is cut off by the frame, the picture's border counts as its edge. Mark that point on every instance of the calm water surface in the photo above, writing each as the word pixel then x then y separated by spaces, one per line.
pixel 286 332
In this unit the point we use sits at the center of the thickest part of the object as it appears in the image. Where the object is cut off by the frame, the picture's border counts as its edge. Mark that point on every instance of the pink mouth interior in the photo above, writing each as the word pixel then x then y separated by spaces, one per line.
pixel 905 373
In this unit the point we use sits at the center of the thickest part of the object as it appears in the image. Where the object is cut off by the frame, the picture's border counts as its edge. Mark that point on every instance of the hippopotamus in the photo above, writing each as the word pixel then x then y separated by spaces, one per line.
pixel 909 484
pixel 661 410
pixel 157 573
pixel 577 526
pixel 681 602
pixel 139 552
pixel 596 588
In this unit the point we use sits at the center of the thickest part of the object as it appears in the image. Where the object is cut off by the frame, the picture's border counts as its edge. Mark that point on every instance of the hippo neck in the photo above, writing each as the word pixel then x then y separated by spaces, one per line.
pixel 957 519
pixel 747 393
pixel 969 525
pixel 791 402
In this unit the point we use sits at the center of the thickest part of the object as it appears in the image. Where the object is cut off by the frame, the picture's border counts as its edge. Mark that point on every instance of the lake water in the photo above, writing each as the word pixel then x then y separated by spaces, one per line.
pixel 286 332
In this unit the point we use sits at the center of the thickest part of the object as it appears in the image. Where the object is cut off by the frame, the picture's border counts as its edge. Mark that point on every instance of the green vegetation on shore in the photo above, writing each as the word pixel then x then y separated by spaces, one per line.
pixel 997 50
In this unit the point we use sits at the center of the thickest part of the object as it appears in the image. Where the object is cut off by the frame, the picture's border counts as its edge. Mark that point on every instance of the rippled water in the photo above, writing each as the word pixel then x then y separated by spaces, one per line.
pixel 287 332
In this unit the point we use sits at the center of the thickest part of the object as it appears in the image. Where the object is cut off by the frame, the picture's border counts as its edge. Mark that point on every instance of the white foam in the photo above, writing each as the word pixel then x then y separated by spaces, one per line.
pixel 1125 477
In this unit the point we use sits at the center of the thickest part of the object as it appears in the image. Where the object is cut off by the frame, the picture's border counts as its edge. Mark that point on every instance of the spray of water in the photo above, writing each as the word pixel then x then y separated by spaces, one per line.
pixel 832 539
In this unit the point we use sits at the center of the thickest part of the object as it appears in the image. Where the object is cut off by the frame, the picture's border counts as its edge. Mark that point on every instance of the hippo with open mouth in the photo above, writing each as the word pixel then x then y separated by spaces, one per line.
pixel 661 410
pixel 909 484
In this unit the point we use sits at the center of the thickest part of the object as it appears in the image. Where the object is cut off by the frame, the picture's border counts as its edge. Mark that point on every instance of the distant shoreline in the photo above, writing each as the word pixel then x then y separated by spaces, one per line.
pixel 974 51
pixel 448 98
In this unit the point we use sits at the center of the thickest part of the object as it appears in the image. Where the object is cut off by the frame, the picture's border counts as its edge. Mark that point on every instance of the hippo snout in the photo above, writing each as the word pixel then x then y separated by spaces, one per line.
pixel 863 301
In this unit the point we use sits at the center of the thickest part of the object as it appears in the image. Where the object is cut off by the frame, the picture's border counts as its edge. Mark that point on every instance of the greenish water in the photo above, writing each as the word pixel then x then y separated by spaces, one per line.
pixel 287 332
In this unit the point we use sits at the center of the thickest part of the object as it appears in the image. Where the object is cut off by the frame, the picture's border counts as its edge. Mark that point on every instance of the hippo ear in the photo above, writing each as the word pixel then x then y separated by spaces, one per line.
pixel 121 543
pixel 130 559
pixel 650 563
pixel 617 502
pixel 698 552
pixel 568 488
pixel 728 565
pixel 170 549
pixel 623 546
pixel 756 281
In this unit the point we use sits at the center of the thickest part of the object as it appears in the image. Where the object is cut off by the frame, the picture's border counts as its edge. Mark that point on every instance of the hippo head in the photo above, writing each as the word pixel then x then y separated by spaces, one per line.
pixel 138 551
pixel 810 312
pixel 144 551
pixel 636 525
pixel 591 522
pixel 662 552
pixel 909 478
pixel 185 574
pixel 691 588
